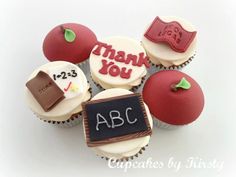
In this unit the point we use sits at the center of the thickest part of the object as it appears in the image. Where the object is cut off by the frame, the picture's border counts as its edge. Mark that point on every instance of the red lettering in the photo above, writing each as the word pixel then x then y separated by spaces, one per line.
pixel 143 60
pixel 120 57
pixel 105 66
pixel 109 51
pixel 114 70
pixel 132 58
pixel 124 74
pixel 99 45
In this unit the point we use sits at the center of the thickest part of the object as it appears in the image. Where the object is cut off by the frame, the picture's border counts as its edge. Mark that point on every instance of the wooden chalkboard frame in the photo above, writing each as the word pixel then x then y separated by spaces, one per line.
pixel 118 138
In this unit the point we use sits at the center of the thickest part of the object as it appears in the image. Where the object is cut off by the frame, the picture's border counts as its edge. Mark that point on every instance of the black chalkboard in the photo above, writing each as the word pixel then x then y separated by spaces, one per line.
pixel 115 119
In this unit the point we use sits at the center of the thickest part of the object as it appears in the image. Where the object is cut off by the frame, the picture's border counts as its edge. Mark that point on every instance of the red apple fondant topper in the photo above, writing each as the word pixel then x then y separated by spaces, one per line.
pixel 69 42
pixel 173 97
pixel 171 33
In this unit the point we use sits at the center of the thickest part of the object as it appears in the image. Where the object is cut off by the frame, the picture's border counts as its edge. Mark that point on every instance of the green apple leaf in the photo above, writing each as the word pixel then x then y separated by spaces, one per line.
pixel 184 84
pixel 69 35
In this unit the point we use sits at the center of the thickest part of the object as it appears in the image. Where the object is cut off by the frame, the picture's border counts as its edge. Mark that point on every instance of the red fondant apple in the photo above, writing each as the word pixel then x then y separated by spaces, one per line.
pixel 173 97
pixel 69 42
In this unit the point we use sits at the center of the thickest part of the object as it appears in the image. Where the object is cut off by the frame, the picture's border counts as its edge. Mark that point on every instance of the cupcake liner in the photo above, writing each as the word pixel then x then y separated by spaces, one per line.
pixel 127 158
pixel 71 122
pixel 161 67
pixel 90 91
pixel 95 83
pixel 135 88
pixel 84 66
pixel 155 68
pixel 96 87
pixel 160 124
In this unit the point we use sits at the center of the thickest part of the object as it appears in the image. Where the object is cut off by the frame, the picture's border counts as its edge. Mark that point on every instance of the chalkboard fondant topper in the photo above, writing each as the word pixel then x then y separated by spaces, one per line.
pixel 171 33
pixel 115 119
pixel 111 58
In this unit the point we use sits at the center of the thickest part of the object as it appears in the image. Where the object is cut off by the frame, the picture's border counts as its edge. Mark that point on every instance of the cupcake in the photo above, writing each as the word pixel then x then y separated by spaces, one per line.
pixel 170 42
pixel 55 92
pixel 118 62
pixel 117 124
pixel 69 42
pixel 174 98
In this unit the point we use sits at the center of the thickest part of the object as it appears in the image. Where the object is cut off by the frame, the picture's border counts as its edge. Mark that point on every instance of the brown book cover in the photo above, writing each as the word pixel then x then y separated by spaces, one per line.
pixel 45 91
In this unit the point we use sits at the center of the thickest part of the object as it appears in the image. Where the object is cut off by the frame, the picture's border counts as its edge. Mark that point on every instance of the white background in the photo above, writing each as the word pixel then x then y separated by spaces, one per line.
pixel 31 148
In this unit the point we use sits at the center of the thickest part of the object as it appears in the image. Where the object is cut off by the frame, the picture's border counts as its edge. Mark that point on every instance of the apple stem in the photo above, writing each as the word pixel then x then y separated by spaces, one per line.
pixel 183 84
pixel 174 88
pixel 62 29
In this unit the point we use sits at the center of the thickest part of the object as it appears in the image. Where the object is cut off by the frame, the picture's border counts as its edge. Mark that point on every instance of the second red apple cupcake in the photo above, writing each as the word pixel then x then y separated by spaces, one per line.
pixel 174 98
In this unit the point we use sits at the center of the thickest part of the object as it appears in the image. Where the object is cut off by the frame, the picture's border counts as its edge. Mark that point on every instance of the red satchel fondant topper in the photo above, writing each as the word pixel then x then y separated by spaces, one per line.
pixel 172 33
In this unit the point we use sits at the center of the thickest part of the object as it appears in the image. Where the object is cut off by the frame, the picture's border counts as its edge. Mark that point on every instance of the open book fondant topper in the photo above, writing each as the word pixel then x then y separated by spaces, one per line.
pixel 68 79
pixel 115 119
pixel 171 33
